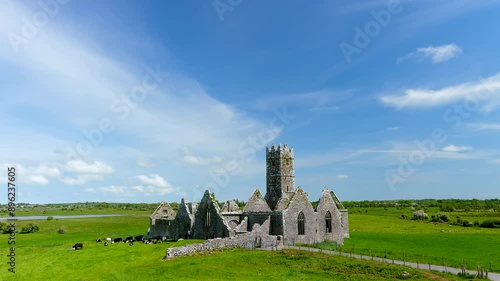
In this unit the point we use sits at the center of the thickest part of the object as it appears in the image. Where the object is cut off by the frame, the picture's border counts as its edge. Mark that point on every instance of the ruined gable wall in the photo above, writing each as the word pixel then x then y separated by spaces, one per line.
pixel 162 228
pixel 183 221
pixel 256 203
pixel 326 203
pixel 345 222
pixel 211 225
pixel 299 203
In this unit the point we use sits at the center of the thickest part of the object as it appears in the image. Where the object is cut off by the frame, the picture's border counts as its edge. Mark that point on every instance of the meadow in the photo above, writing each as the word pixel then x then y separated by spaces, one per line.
pixel 47 256
pixel 382 232
pixel 374 231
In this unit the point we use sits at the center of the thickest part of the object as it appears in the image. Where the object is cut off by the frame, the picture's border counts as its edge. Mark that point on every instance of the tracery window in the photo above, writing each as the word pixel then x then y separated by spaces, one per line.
pixel 301 223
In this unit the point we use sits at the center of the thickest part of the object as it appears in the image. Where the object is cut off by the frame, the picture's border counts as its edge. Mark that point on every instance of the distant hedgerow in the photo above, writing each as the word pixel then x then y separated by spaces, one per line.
pixel 490 224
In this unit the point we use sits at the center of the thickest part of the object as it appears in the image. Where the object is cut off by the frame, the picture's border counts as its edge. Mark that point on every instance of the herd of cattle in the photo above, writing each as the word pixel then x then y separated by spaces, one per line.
pixel 130 240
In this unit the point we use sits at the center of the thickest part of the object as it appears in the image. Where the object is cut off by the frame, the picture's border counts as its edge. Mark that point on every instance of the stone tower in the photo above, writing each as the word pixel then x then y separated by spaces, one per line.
pixel 280 175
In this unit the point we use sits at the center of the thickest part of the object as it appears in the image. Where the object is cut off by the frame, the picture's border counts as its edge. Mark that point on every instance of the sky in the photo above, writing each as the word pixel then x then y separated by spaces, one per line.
pixel 145 101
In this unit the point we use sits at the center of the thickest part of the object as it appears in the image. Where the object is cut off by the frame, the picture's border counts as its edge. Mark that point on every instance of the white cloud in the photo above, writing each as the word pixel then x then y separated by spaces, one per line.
pixel 483 94
pixel 342 177
pixel 145 162
pixel 153 179
pixel 485 126
pixel 393 128
pixel 453 148
pixel 35 175
pixel 36 179
pixel 82 167
pixel 436 54
pixel 115 189
pixel 81 179
pixel 129 191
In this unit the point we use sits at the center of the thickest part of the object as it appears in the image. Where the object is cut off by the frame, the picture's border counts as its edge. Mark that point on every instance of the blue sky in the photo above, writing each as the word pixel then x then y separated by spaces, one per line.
pixel 144 101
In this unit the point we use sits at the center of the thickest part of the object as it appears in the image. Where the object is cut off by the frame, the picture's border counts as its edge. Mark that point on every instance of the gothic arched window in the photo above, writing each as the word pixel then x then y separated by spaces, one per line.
pixel 328 222
pixel 301 222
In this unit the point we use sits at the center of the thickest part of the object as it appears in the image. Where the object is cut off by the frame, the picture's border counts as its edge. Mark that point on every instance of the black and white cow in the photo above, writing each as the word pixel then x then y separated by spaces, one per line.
pixel 98 240
pixel 77 246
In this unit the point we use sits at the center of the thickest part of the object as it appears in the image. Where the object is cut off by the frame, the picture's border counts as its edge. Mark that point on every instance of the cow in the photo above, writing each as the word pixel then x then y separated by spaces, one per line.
pixel 98 240
pixel 118 240
pixel 129 239
pixel 108 239
pixel 77 246
pixel 139 238
pixel 131 243
pixel 106 243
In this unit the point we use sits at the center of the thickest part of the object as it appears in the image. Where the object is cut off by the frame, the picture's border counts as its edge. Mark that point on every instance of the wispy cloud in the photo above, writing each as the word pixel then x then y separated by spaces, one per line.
pixel 454 148
pixel 393 128
pixel 484 126
pixel 485 93
pixel 82 167
pixel 435 54
pixel 342 177
pixel 76 86
pixel 311 101
pixel 81 179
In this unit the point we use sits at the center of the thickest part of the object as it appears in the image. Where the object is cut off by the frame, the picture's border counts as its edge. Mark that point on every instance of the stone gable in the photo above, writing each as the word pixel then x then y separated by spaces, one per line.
pixel 208 222
pixel 328 208
pixel 256 203
pixel 299 203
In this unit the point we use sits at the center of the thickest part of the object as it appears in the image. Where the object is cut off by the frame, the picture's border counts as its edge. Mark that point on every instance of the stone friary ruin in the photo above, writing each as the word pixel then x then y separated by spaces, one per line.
pixel 283 216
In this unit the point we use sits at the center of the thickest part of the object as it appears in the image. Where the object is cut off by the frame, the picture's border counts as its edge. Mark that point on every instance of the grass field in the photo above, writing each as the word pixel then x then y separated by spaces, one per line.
pixel 47 255
pixel 382 233
pixel 145 262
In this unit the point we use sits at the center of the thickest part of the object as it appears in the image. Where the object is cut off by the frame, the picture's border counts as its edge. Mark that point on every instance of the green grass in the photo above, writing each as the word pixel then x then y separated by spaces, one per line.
pixel 145 262
pixel 47 255
pixel 53 211
pixel 382 233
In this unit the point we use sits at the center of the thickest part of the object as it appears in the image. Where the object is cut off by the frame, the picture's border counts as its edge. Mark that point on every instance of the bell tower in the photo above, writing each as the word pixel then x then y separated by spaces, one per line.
pixel 280 174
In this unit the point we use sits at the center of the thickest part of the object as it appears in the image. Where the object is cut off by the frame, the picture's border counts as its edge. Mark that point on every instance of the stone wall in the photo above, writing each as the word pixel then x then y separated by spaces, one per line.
pixel 327 204
pixel 299 203
pixel 280 174
pixel 162 227
pixel 258 238
pixel 184 220
pixel 208 222
pixel 345 223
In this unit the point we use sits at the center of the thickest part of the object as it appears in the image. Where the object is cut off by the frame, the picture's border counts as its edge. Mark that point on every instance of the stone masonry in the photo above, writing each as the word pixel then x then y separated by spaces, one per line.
pixel 284 215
